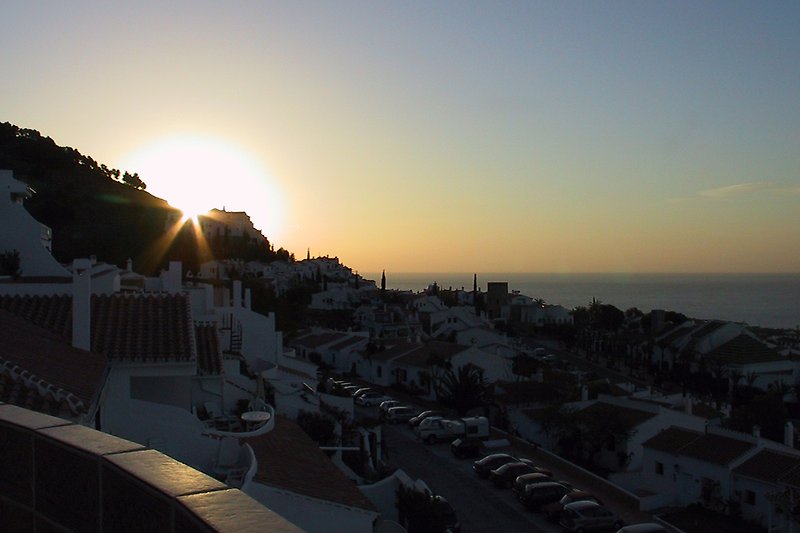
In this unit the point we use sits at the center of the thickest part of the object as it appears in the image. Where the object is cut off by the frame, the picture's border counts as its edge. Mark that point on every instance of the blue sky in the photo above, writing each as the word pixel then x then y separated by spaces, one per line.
pixel 462 136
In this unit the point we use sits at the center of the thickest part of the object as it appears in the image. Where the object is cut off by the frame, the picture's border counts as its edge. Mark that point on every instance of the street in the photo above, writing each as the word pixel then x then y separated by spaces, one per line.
pixel 479 506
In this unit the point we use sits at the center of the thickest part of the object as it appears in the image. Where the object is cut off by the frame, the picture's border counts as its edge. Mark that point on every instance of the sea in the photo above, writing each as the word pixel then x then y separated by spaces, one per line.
pixel 766 300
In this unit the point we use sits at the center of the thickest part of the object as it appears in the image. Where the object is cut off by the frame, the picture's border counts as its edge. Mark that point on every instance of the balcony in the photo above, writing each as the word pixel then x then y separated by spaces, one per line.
pixel 258 419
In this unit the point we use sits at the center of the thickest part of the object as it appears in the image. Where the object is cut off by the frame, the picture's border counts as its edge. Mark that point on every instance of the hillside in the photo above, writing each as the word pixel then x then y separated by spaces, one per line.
pixel 91 210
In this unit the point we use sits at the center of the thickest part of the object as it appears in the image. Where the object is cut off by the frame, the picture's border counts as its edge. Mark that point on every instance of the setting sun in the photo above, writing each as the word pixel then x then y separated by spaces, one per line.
pixel 196 174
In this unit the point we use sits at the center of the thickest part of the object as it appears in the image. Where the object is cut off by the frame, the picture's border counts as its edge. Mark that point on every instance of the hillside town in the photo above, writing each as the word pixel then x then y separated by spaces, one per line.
pixel 356 413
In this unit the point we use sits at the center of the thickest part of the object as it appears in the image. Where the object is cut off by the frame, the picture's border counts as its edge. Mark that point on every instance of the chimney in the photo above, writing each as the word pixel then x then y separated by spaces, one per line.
pixel 757 432
pixel 174 277
pixel 129 265
pixel 788 434
pixel 247 299
pixel 584 393
pixel 687 404
pixel 82 304
pixel 237 293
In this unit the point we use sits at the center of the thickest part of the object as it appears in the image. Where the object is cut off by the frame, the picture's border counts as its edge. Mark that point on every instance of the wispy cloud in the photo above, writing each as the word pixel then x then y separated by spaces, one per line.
pixel 734 190
pixel 739 189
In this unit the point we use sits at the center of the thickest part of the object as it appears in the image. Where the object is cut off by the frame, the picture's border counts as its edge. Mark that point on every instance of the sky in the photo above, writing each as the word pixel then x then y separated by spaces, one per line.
pixel 562 136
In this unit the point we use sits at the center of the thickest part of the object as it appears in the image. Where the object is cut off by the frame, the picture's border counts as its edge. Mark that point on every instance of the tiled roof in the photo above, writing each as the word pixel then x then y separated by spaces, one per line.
pixel 629 417
pixel 671 440
pixel 395 351
pixel 154 327
pixel 315 340
pixel 350 341
pixel 674 335
pixel 716 449
pixel 209 357
pixel 792 478
pixel 708 328
pixel 143 327
pixel 53 313
pixel 289 459
pixel 420 356
pixel 744 349
pixel 39 371
pixel 768 465
pixel 295 372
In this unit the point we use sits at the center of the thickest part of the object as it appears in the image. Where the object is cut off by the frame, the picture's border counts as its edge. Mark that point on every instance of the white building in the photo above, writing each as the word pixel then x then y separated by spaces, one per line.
pixel 20 232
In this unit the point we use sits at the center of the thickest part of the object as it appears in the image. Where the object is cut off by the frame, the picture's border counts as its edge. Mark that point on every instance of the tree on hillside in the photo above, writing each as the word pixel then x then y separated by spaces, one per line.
pixel 133 180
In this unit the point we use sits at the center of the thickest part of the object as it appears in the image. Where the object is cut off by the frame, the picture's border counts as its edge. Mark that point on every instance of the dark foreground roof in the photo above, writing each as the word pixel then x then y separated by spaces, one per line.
pixel 39 371
pixel 289 459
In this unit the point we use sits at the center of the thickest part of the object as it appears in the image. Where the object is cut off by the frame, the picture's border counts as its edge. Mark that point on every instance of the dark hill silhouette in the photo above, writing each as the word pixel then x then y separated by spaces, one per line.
pixel 93 209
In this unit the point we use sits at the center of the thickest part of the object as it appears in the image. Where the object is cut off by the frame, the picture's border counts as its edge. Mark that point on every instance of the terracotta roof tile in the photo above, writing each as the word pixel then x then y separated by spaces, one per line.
pixel 628 416
pixel 744 349
pixel 315 340
pixel 395 351
pixel 289 459
pixel 153 327
pixel 768 465
pixel 143 327
pixel 419 357
pixel 350 341
pixel 716 449
pixel 41 371
pixel 672 440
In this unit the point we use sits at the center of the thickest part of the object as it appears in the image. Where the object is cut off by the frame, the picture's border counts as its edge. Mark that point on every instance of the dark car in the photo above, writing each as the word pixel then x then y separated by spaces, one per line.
pixel 539 494
pixel 450 518
pixel 553 510
pixel 505 475
pixel 482 467
pixel 414 422
pixel 524 480
pixel 464 447
pixel 588 516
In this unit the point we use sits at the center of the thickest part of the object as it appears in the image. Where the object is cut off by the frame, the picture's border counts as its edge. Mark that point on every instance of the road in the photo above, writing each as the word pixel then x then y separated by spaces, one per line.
pixel 480 506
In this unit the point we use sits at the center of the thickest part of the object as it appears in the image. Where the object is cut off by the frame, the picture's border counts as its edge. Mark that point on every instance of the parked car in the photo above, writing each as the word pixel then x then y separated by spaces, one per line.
pixel 538 494
pixel 351 389
pixel 553 510
pixel 401 413
pixel 451 520
pixel 482 467
pixel 361 391
pixel 371 398
pixel 464 447
pixel 588 516
pixel 384 406
pixel 414 422
pixel 505 475
pixel 646 527
pixel 524 480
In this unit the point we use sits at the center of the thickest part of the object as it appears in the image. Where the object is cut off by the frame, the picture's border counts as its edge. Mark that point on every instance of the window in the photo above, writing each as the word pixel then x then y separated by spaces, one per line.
pixel 659 468
pixel 749 497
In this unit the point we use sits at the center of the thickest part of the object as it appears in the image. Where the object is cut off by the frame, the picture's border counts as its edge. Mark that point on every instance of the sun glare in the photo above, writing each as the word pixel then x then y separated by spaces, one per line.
pixel 196 174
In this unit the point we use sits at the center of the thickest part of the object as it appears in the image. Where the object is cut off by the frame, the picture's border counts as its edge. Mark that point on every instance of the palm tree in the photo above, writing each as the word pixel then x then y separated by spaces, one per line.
pixel 463 389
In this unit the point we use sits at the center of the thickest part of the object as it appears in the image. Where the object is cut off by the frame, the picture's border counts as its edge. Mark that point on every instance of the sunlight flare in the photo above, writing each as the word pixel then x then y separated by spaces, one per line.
pixel 198 173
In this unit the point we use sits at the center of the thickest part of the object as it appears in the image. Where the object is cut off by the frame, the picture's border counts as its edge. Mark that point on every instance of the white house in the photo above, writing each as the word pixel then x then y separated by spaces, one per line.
pixel 20 232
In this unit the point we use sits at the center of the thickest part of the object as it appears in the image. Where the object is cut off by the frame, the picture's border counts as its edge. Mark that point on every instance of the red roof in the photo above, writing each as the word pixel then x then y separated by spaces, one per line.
pixel 143 327
pixel 422 354
pixel 39 371
pixel 289 459
pixel 769 466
